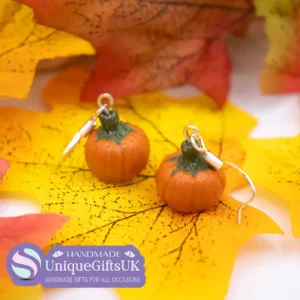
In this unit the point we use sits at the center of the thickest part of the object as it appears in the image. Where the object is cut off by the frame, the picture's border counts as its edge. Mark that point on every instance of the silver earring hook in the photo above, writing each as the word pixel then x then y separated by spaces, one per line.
pixel 90 124
pixel 251 185
pixel 198 144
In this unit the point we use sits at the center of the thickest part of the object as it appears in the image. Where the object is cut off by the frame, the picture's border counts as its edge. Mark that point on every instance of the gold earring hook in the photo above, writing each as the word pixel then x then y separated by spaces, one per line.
pixel 107 96
pixel 195 138
pixel 198 144
pixel 188 128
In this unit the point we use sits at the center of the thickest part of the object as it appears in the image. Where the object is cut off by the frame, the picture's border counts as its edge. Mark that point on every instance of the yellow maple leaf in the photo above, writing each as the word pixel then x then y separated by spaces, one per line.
pixel 275 164
pixel 185 255
pixel 9 291
pixel 23 43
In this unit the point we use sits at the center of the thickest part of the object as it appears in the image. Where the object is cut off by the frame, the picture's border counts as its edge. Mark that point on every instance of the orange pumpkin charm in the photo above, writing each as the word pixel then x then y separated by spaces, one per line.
pixel 187 182
pixel 116 151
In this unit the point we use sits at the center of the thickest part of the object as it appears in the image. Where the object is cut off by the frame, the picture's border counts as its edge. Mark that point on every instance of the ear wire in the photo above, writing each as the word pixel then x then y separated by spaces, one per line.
pixel 240 210
pixel 198 144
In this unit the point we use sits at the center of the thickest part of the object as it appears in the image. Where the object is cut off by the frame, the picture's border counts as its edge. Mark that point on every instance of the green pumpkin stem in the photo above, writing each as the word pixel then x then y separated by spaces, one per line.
pixel 190 160
pixel 109 121
pixel 189 153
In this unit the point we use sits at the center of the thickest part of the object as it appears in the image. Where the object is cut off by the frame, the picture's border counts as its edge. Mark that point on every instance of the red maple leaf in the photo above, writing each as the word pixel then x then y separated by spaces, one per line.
pixel 4 165
pixel 32 228
pixel 145 45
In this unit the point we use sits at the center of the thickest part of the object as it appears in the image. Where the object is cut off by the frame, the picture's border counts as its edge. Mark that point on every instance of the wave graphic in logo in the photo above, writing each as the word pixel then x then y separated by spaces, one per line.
pixel 24 263
pixel 26 267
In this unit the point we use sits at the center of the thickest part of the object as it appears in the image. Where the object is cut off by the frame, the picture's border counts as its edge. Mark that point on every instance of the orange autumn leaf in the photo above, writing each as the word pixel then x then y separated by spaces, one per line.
pixel 150 45
pixel 183 253
pixel 23 43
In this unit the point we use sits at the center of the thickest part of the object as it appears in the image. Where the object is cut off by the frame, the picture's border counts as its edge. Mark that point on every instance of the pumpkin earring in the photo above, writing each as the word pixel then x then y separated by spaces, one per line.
pixel 193 180
pixel 116 151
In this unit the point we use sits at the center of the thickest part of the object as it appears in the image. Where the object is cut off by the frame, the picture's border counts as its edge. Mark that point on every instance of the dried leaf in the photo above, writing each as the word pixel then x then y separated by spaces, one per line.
pixel 150 45
pixel 281 72
pixel 4 165
pixel 23 43
pixel 275 164
pixel 185 254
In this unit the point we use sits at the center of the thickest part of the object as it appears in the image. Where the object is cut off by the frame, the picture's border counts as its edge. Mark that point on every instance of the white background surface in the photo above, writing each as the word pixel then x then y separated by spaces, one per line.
pixel 267 266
